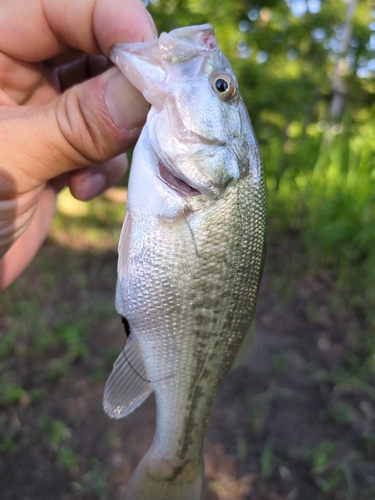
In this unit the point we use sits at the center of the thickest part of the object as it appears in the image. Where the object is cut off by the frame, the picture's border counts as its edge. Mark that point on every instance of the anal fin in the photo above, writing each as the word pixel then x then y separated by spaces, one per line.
pixel 127 386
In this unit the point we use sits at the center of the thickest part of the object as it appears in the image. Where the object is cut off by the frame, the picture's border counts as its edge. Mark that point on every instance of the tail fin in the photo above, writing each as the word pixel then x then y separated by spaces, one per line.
pixel 153 482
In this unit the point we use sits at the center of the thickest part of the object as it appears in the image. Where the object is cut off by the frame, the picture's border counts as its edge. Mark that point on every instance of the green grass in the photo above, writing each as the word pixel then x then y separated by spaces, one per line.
pixel 324 187
pixel 321 191
pixel 330 469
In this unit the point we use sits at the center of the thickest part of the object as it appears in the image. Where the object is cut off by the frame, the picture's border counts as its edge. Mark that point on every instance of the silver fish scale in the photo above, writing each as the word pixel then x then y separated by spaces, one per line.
pixel 190 253
pixel 194 310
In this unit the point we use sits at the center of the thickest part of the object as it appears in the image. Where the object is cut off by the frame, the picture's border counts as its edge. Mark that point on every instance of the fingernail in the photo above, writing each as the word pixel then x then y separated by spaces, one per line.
pixel 125 103
pixel 90 186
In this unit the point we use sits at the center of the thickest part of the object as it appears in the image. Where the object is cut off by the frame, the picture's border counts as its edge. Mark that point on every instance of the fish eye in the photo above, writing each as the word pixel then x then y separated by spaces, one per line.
pixel 224 86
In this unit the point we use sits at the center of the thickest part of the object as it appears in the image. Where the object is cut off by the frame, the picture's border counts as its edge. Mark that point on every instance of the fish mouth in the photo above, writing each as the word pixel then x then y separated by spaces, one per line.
pixel 176 183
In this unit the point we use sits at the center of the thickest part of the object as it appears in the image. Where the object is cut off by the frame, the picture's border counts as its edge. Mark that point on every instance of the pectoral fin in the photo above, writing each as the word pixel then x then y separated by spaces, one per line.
pixel 127 386
pixel 124 244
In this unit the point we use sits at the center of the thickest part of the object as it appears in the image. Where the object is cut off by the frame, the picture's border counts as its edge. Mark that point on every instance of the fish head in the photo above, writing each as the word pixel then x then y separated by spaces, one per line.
pixel 198 125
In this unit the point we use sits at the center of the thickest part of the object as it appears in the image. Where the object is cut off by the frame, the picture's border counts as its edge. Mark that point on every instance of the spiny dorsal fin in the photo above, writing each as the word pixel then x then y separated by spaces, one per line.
pixel 127 386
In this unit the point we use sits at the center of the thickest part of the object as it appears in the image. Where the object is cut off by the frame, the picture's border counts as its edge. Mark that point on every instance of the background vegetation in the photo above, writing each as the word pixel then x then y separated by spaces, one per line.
pixel 319 162
pixel 306 72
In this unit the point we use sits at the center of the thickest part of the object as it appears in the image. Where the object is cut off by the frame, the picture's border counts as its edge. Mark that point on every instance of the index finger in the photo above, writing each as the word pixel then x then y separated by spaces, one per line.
pixel 36 31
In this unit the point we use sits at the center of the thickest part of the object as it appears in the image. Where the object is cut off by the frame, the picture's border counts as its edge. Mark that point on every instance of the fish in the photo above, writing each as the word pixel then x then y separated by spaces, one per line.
pixel 191 251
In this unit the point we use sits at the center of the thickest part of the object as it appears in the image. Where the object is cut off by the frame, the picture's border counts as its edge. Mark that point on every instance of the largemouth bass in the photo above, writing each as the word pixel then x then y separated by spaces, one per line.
pixel 190 253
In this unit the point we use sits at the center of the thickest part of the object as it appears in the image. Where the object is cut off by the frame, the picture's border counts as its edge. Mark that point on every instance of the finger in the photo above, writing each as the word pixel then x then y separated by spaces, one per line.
pixel 24 249
pixel 6 100
pixel 28 83
pixel 89 182
pixel 82 69
pixel 86 183
pixel 92 26
pixel 66 57
pixel 24 82
pixel 90 123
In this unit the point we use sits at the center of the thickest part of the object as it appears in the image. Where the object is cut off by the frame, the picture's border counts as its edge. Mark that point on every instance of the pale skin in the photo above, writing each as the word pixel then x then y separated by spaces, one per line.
pixel 66 119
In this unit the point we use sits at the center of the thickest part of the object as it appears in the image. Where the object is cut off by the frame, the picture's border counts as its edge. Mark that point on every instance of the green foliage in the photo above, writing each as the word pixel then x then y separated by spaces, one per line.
pixel 96 479
pixel 278 363
pixel 242 448
pixel 319 174
pixel 73 337
pixel 8 441
pixel 332 470
pixel 330 201
pixel 10 393
pixel 56 435
pixel 266 460
pixel 282 60
pixel 322 454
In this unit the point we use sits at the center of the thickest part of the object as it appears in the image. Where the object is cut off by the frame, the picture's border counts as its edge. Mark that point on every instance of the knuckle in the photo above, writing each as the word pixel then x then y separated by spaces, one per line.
pixel 80 126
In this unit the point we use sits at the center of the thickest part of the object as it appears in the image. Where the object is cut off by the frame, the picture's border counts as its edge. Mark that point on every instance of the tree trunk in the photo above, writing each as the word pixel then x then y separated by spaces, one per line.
pixel 337 104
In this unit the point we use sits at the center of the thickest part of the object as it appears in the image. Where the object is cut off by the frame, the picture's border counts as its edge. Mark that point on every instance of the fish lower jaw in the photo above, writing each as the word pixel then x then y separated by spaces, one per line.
pixel 174 472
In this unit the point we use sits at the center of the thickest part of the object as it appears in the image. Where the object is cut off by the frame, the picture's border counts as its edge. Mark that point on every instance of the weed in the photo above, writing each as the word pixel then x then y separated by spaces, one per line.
pixel 8 441
pixel 267 460
pixel 278 363
pixel 56 435
pixel 257 407
pixel 368 445
pixel 57 368
pixel 332 469
pixel 68 457
pixel 321 455
pixel 10 392
pixel 242 447
pixel 55 432
pixel 73 338
pixel 339 411
pixel 95 481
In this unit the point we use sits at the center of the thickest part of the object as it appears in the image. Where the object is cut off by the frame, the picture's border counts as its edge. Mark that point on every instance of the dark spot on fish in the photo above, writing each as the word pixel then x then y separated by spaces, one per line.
pixel 125 322
pixel 190 425
pixel 201 319
pixel 160 469
pixel 176 472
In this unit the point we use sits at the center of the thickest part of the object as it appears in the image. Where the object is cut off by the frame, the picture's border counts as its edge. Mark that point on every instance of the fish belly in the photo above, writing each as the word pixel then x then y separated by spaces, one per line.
pixel 189 296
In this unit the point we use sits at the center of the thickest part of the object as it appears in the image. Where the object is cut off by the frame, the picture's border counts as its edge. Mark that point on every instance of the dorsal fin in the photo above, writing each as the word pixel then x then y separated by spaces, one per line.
pixel 127 386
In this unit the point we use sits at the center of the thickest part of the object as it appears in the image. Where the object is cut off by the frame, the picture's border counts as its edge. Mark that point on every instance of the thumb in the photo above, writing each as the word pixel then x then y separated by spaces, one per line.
pixel 89 123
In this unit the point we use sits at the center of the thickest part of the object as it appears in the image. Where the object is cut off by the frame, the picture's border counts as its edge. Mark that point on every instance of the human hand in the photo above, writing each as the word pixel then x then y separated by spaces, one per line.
pixel 49 136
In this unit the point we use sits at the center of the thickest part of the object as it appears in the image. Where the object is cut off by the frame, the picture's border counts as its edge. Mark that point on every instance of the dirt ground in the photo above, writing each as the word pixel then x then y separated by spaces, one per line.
pixel 282 427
